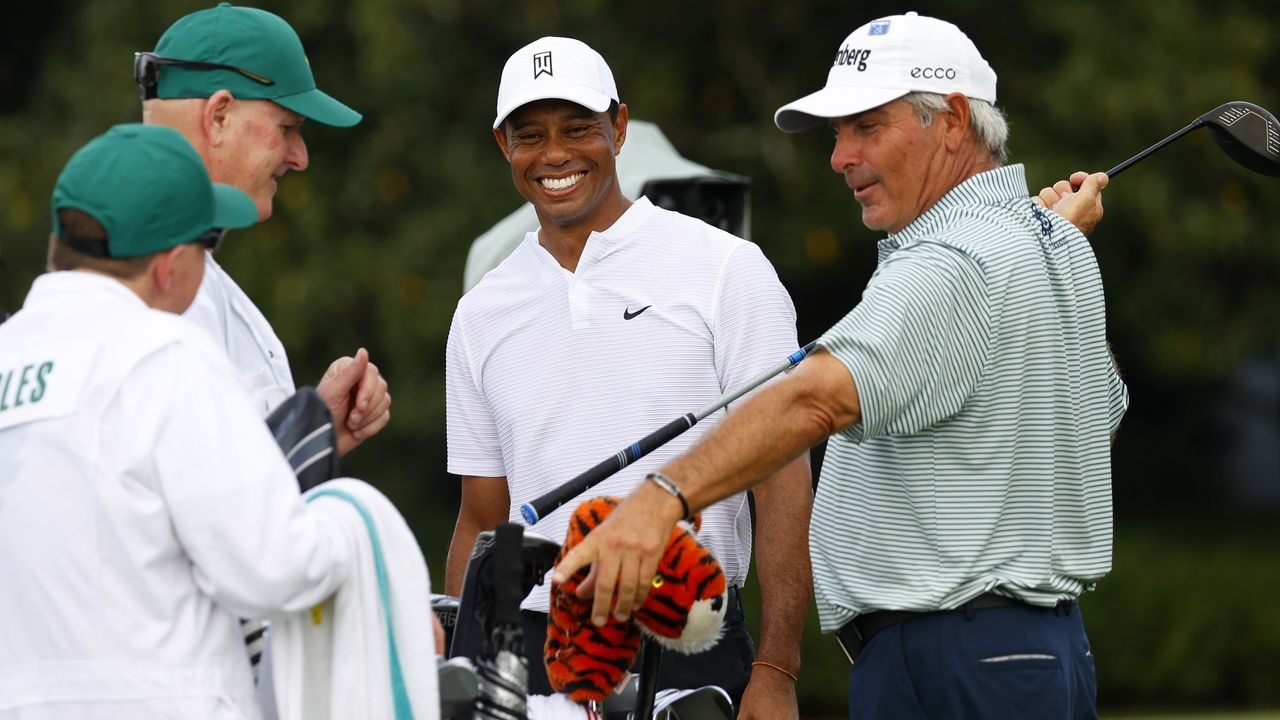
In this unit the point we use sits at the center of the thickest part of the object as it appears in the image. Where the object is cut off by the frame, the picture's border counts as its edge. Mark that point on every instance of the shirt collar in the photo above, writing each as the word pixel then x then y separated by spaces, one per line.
pixel 601 242
pixel 986 188
pixel 83 287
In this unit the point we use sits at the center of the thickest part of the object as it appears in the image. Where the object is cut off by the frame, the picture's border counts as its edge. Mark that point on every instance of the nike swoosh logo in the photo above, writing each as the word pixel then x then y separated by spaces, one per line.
pixel 627 314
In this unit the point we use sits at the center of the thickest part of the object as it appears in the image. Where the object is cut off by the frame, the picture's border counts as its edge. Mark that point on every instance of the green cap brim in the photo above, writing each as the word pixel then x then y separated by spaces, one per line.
pixel 318 106
pixel 232 208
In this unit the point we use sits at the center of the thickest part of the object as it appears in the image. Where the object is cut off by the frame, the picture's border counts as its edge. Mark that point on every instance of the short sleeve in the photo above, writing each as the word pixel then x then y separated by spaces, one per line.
pixel 917 343
pixel 470 430
pixel 753 319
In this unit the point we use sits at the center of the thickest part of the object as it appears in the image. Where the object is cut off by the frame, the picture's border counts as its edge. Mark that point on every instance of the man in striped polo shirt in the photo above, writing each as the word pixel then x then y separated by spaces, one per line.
pixel 965 502
pixel 609 320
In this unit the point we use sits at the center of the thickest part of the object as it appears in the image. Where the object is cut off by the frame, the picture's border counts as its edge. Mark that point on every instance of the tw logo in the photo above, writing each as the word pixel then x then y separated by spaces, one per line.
pixel 542 64
pixel 853 56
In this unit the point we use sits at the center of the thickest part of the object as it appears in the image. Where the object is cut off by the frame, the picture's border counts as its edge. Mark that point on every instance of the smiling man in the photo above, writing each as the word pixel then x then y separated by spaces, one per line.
pixel 970 398
pixel 609 320
pixel 236 83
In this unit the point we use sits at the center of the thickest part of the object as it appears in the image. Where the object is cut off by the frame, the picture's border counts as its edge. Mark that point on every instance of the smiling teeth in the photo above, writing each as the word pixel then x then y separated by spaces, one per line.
pixel 562 183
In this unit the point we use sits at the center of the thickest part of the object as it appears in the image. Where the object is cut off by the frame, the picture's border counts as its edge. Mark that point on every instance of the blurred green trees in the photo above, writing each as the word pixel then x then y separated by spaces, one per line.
pixel 367 246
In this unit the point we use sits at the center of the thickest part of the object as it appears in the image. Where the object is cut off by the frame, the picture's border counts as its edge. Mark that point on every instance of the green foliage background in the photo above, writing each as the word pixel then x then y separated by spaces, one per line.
pixel 367 246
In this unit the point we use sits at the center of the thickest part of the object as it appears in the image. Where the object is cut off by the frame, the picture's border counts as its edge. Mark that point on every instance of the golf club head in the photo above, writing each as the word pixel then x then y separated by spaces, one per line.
pixel 1248 134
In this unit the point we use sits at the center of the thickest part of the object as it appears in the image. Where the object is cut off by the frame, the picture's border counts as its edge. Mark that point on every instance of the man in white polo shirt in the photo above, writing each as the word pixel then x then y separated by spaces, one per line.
pixel 970 397
pixel 609 321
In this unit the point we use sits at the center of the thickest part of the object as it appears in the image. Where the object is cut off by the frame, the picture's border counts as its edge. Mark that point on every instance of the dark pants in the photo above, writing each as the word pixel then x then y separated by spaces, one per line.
pixel 727 664
pixel 1005 662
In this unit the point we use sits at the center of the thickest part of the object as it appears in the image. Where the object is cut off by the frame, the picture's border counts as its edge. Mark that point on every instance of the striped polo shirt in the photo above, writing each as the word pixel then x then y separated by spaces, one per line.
pixel 548 372
pixel 982 459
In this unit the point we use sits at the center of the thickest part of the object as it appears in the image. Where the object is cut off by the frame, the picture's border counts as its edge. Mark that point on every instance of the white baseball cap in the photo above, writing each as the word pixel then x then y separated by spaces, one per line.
pixel 888 58
pixel 555 68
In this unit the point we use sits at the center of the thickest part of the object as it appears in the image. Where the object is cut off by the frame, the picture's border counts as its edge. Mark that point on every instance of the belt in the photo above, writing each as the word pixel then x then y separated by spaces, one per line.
pixel 855 634
pixel 735 602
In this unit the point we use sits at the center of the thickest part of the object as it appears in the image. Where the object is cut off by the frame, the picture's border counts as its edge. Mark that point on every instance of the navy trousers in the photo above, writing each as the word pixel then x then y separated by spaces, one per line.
pixel 1005 662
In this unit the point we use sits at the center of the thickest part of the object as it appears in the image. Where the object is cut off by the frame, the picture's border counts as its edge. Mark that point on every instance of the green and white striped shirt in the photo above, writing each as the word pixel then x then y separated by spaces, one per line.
pixel 982 460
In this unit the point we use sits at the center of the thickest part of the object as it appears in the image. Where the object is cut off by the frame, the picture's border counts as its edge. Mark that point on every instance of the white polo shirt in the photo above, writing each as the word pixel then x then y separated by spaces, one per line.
pixel 223 310
pixel 549 372
pixel 144 507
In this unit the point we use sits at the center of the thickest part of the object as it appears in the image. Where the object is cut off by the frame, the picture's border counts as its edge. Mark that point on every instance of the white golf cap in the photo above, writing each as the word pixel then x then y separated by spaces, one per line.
pixel 555 68
pixel 888 58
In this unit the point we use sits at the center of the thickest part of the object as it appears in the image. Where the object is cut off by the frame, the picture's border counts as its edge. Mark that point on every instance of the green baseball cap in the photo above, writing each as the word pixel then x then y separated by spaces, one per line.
pixel 149 189
pixel 249 52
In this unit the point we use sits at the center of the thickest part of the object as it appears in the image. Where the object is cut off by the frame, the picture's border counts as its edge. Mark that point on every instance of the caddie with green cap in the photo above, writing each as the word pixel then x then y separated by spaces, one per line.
pixel 236 82
pixel 150 192
pixel 130 454
pixel 136 204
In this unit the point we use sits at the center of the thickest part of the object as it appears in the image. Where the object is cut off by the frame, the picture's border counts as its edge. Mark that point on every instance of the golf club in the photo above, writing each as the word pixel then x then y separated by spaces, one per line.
pixel 540 506
pixel 503 671
pixel 1246 132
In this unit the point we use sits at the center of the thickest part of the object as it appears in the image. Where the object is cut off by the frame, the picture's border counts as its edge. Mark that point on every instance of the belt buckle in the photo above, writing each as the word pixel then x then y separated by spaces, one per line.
pixel 855 639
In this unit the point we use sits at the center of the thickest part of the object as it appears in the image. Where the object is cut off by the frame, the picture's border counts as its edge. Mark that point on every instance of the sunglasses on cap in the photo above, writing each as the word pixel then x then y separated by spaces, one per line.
pixel 146 71
pixel 96 247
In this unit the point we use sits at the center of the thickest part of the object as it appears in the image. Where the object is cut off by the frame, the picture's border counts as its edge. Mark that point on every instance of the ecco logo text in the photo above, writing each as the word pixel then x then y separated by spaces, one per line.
pixel 934 73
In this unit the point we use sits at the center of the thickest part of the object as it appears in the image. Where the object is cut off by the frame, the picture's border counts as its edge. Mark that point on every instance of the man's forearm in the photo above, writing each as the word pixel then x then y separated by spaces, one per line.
pixel 455 566
pixel 783 505
pixel 772 428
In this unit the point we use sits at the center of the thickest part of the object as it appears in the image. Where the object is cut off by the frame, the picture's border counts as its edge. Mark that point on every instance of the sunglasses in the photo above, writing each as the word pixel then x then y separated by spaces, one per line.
pixel 146 71
pixel 95 247
pixel 212 238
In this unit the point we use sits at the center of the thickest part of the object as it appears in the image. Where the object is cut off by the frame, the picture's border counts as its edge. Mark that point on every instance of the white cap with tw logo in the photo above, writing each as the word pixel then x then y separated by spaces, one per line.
pixel 888 58
pixel 555 68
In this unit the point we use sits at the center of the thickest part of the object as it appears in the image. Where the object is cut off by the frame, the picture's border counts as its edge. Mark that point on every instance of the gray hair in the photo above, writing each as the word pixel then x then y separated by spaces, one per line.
pixel 985 120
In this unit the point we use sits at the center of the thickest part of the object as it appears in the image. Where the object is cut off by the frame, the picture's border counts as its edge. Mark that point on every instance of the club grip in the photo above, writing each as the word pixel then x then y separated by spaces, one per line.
pixel 540 506
pixel 508 561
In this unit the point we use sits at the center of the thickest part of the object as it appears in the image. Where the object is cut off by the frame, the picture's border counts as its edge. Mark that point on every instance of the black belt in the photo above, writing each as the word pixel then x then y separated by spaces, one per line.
pixel 855 634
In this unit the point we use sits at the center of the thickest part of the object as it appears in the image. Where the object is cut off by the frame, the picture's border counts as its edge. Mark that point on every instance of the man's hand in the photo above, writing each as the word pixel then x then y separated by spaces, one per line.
pixel 357 396
pixel 1078 199
pixel 623 552
pixel 770 695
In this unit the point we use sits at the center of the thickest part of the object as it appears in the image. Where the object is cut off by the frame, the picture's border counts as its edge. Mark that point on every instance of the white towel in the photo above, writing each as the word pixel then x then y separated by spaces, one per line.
pixel 335 661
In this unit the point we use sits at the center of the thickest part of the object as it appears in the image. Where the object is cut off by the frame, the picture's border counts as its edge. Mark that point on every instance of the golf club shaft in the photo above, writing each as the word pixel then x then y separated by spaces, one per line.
pixel 541 506
pixel 1151 150
pixel 647 687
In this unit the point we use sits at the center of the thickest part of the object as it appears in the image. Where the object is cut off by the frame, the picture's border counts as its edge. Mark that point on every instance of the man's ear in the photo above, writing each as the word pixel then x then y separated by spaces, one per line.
pixel 215 117
pixel 500 134
pixel 620 128
pixel 163 270
pixel 956 118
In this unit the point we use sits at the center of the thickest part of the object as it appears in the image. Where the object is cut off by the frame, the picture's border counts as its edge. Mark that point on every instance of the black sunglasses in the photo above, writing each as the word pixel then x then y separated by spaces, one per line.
pixel 212 238
pixel 146 71
pixel 96 247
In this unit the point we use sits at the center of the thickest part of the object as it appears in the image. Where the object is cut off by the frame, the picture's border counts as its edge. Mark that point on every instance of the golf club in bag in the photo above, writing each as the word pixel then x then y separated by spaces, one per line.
pixel 1246 132
pixel 539 507
pixel 504 671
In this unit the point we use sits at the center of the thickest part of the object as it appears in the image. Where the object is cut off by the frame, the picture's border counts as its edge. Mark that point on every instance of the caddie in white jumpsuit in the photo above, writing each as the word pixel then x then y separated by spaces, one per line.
pixel 144 506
